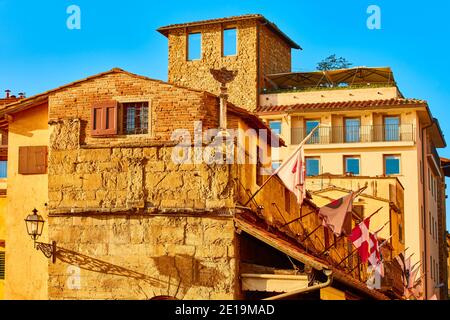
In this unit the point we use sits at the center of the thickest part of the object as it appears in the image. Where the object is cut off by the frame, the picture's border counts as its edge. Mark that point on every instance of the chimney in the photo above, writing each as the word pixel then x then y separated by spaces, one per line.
pixel 223 76
pixel 21 95
pixel 7 93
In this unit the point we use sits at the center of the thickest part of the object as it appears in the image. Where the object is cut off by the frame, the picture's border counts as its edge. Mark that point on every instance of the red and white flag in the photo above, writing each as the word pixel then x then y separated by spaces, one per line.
pixel 335 215
pixel 374 254
pixel 360 237
pixel 293 171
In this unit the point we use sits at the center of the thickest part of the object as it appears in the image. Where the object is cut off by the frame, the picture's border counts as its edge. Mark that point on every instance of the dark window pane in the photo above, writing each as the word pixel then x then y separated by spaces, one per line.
pixel 392 165
pixel 136 118
pixel 352 130
pixel 194 46
pixel 275 126
pixel 229 42
pixel 312 167
pixel 392 129
pixel 352 165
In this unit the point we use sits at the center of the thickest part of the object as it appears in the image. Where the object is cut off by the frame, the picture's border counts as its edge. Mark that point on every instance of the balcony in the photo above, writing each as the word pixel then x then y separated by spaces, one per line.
pixel 356 134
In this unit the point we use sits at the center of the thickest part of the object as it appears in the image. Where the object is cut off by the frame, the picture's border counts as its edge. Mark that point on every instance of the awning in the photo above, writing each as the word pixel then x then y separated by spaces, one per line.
pixel 273 282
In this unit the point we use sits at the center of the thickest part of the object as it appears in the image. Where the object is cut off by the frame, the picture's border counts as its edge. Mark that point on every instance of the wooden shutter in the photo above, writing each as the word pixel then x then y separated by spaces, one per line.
pixel 104 118
pixel 2 265
pixel 33 160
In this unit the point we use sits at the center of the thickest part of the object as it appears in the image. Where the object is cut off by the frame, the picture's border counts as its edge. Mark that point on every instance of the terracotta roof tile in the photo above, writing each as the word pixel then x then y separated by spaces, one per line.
pixel 339 105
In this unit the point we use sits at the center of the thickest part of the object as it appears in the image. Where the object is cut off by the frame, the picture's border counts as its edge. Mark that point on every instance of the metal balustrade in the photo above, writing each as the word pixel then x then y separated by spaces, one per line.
pixel 356 134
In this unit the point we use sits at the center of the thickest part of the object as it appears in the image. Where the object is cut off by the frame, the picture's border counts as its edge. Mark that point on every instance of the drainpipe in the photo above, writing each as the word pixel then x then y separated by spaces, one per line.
pixel 425 263
pixel 329 275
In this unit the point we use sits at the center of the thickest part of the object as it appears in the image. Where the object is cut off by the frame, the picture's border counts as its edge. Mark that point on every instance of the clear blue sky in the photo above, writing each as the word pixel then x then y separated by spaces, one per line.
pixel 38 52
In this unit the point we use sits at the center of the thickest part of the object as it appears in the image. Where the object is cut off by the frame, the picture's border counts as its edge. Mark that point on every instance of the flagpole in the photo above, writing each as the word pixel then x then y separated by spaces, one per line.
pixel 351 254
pixel 309 234
pixel 283 164
pixel 296 219
pixel 331 246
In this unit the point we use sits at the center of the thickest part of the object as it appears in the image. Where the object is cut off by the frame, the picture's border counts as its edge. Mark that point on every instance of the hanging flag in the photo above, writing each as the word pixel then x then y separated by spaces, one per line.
pixel 336 215
pixel 293 171
pixel 434 297
pixel 375 254
pixel 412 277
pixel 360 239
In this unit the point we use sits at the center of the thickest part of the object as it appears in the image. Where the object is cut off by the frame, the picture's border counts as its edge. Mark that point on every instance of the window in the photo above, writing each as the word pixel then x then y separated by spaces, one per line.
pixel 312 167
pixel 3 169
pixel 287 200
pixel 32 160
pixel 429 179
pixel 276 165
pixel 275 126
pixel 432 227
pixel 351 165
pixel 2 266
pixel 194 46
pixel 432 267
pixel 135 118
pixel 391 165
pixel 104 118
pixel 423 216
pixel 400 233
pixel 421 172
pixel 391 128
pixel 352 129
pixel 230 42
pixel 310 126
pixel 429 220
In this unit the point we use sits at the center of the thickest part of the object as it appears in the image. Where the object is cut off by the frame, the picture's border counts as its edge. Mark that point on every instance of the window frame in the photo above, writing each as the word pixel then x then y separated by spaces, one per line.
pixel 345 165
pixel 315 138
pixel 224 29
pixel 345 130
pixel 281 125
pixel 385 157
pixel 306 166
pixel 123 118
pixel 398 127
pixel 188 41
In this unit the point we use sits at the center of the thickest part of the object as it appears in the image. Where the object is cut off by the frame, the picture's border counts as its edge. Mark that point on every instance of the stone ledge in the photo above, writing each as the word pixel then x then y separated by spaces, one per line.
pixel 188 212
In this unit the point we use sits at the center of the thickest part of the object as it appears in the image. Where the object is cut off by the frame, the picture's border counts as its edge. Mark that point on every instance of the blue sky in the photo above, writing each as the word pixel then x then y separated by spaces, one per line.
pixel 38 52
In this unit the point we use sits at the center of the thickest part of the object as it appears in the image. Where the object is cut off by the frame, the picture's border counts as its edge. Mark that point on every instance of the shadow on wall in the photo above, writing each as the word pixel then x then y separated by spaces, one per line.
pixel 182 271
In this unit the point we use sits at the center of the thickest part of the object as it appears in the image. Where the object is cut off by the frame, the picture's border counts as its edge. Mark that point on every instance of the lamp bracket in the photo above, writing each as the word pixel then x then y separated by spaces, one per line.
pixel 48 249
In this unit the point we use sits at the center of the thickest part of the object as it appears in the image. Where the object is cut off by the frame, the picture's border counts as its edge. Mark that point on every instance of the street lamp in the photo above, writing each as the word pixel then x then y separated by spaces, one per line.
pixel 35 225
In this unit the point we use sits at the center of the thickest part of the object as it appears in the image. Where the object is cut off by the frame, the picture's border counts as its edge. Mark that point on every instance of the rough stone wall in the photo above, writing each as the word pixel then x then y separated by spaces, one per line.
pixel 196 74
pixel 128 221
pixel 140 257
pixel 275 54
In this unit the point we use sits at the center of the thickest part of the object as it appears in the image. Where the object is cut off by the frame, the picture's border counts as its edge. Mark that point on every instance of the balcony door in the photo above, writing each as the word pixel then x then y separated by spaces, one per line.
pixel 352 129
pixel 310 125
pixel 391 129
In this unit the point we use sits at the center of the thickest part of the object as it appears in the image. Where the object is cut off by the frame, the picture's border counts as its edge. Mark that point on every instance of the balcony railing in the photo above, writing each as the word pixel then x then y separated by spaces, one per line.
pixel 356 134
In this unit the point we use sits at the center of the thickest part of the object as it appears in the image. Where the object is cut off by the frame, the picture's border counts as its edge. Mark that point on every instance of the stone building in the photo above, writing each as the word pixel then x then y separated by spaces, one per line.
pixel 130 223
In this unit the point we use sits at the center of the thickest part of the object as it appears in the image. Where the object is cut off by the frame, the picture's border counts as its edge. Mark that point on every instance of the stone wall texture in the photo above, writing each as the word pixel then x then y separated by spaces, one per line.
pixel 269 54
pixel 140 257
pixel 129 222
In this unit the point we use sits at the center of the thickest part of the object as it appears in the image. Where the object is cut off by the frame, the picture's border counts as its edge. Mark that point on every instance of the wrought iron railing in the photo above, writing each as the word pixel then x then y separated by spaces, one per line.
pixel 356 134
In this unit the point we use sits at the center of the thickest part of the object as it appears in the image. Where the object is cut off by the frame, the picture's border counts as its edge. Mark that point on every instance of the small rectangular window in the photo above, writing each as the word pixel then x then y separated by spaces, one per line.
pixel 275 126
pixel 352 129
pixel 351 165
pixel 312 167
pixel 392 128
pixel 135 118
pixel 230 42
pixel 194 46
pixel 3 169
pixel 104 118
pixel 391 165
pixel 429 220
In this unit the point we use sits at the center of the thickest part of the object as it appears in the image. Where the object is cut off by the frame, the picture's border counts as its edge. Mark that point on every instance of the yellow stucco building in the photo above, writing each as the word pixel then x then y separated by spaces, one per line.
pixel 367 129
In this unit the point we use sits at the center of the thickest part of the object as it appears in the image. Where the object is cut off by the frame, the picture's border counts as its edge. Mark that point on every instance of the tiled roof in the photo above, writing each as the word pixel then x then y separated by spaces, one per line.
pixel 164 30
pixel 340 105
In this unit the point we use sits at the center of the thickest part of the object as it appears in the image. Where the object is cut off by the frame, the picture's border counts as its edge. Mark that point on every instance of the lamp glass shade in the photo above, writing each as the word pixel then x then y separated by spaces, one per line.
pixel 35 225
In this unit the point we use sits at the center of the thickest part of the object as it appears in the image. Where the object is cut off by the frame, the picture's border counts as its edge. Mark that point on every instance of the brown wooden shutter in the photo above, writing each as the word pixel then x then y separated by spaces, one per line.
pixel 33 160
pixel 104 118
